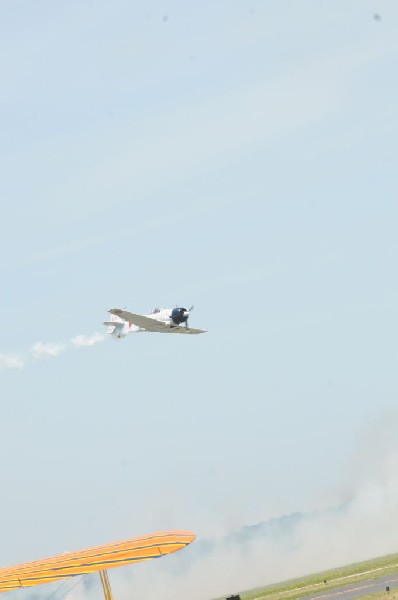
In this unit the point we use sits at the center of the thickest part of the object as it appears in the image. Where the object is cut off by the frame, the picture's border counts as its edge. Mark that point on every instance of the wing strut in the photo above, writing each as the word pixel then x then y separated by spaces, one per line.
pixel 106 586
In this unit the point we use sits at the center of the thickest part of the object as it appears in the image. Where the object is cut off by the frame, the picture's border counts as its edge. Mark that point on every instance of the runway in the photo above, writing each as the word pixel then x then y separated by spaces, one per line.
pixel 357 590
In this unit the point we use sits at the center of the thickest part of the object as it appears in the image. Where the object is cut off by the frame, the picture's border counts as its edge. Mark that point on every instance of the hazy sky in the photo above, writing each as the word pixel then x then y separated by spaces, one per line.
pixel 239 155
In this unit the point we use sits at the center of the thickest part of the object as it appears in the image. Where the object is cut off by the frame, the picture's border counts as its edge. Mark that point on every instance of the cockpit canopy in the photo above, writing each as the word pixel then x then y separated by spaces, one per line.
pixel 155 311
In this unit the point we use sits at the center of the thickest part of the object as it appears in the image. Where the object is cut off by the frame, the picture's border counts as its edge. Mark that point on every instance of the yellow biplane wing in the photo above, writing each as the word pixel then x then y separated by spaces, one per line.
pixel 93 559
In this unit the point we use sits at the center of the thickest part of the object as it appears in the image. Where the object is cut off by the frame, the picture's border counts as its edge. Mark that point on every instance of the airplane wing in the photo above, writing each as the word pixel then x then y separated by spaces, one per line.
pixel 150 324
pixel 139 320
pixel 92 560
pixel 181 329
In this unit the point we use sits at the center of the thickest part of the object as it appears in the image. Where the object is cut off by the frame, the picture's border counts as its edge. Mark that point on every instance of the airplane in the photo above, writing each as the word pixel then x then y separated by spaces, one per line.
pixel 161 320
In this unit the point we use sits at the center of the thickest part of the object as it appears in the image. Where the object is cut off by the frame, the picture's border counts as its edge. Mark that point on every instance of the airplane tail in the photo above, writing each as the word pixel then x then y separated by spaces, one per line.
pixel 115 326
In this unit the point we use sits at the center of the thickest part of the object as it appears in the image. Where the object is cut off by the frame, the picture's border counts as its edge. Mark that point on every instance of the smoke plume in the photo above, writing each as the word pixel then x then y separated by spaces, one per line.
pixel 362 526
pixel 11 361
pixel 80 341
pixel 41 350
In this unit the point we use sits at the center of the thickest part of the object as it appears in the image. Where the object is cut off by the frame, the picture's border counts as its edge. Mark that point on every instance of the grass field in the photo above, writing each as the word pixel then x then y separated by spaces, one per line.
pixel 314 584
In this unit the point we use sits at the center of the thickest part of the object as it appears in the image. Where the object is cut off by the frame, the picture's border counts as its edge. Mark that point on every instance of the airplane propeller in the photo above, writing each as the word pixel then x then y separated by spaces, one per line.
pixel 188 311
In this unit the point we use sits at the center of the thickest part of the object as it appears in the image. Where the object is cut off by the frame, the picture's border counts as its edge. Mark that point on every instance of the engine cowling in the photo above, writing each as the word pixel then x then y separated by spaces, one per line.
pixel 179 315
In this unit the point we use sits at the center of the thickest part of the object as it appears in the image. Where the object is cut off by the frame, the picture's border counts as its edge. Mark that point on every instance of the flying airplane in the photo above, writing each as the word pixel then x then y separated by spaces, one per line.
pixel 161 320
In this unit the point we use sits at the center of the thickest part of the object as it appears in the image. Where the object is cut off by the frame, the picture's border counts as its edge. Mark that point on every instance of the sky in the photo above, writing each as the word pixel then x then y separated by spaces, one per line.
pixel 235 155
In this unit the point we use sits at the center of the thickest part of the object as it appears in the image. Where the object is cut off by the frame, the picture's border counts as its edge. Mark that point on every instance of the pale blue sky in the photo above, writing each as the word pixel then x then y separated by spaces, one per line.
pixel 235 155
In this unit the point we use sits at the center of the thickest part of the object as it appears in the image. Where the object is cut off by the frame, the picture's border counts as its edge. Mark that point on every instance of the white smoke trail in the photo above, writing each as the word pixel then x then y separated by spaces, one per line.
pixel 41 350
pixel 11 361
pixel 81 341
